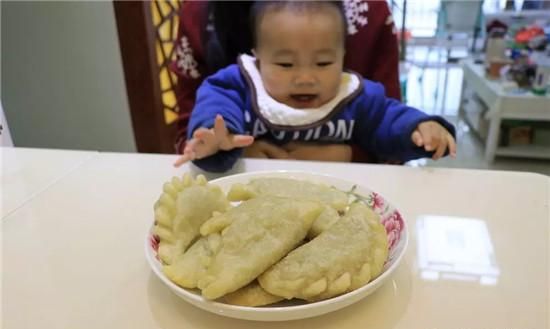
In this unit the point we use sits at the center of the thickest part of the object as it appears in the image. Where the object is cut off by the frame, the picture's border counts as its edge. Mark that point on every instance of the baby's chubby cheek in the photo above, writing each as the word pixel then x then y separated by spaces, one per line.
pixel 332 92
pixel 276 90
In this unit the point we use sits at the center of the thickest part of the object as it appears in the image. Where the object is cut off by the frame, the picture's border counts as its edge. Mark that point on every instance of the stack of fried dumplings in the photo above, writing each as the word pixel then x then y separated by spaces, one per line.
pixel 268 240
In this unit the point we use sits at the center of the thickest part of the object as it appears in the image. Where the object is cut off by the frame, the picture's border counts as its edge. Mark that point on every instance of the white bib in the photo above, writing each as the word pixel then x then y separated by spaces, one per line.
pixel 283 115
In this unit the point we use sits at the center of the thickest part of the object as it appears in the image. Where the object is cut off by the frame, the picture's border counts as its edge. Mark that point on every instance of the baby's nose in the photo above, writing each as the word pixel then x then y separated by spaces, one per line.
pixel 305 78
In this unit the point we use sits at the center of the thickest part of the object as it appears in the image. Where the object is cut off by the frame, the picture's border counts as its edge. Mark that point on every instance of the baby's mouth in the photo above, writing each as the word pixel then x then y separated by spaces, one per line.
pixel 304 99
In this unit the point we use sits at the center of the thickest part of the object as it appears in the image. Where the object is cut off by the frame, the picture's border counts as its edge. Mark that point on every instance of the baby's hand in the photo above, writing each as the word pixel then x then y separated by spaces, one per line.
pixel 434 137
pixel 206 142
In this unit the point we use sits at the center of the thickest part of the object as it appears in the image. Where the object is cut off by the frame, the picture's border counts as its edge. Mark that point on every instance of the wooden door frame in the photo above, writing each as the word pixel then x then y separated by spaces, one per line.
pixel 136 35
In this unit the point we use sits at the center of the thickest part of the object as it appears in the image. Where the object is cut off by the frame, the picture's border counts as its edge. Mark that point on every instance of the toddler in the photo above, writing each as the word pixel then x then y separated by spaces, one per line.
pixel 294 90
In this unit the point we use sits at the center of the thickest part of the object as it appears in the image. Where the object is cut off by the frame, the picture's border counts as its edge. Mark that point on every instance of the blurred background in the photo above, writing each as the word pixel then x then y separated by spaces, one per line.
pixel 95 76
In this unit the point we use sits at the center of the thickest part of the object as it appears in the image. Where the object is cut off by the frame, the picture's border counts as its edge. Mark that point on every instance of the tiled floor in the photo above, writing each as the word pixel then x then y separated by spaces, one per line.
pixel 427 93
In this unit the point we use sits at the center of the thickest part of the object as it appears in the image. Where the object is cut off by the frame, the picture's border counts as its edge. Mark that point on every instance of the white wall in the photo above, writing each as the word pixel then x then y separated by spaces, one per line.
pixel 0 50
pixel 62 77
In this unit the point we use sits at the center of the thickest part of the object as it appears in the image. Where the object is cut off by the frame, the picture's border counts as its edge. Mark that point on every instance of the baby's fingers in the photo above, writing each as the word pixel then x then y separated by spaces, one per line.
pixel 188 153
pixel 207 143
pixel 241 140
pixel 204 136
pixel 183 159
pixel 220 130
pixel 417 138
pixel 441 148
pixel 452 145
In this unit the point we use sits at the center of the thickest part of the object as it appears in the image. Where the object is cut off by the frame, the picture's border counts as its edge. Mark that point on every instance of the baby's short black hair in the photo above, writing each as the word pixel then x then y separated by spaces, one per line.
pixel 261 7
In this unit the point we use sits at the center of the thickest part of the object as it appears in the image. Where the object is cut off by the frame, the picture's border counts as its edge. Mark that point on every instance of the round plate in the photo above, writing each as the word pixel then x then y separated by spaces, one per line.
pixel 292 310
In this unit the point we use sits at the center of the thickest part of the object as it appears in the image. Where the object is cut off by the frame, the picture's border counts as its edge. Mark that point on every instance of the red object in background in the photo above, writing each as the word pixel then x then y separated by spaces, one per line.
pixel 408 35
pixel 496 24
pixel 524 35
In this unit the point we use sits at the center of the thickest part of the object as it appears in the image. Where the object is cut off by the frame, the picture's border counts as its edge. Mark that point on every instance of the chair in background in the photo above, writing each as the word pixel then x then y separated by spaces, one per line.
pixel 458 26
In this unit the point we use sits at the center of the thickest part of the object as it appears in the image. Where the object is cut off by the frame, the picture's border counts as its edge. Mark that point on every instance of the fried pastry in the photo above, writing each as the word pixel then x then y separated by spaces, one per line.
pixel 325 220
pixel 251 295
pixel 291 188
pixel 343 258
pixel 181 210
pixel 188 268
pixel 254 236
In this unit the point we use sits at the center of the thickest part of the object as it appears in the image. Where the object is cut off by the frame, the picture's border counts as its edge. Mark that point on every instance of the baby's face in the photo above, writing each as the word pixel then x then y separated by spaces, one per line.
pixel 300 55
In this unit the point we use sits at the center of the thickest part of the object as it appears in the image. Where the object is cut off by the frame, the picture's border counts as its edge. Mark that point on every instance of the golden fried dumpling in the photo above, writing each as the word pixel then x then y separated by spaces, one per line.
pixel 181 210
pixel 344 257
pixel 251 295
pixel 335 200
pixel 325 220
pixel 254 235
pixel 187 269
pixel 291 188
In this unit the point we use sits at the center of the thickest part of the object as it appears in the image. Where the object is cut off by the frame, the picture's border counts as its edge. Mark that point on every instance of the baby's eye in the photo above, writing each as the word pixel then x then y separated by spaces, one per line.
pixel 323 64
pixel 285 65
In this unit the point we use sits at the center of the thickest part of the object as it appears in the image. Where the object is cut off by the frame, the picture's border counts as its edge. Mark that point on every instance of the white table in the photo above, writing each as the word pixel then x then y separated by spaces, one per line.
pixel 26 172
pixel 73 255
pixel 503 105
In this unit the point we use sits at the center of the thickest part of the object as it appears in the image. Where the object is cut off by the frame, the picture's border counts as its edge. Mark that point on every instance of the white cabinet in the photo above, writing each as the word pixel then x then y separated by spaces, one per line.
pixel 485 104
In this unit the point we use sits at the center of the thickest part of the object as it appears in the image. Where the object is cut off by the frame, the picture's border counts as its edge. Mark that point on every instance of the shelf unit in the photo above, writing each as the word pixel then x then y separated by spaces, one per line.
pixel 492 104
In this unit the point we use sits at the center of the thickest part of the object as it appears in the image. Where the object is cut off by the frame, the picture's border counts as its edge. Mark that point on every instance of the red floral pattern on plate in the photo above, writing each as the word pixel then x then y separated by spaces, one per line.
pixel 393 224
pixel 389 217
pixel 154 241
pixel 376 201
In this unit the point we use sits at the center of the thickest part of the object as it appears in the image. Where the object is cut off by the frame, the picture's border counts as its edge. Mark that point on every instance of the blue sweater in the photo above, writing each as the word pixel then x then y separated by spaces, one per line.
pixel 380 125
